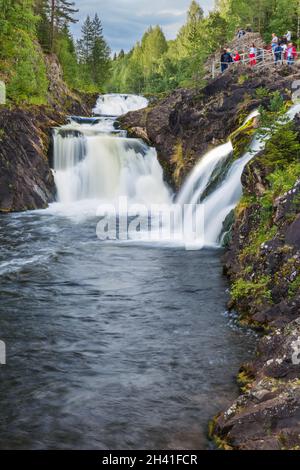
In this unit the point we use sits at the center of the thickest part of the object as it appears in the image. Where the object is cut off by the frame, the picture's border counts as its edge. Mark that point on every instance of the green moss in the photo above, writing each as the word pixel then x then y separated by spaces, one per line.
pixel 245 378
pixel 242 138
pixel 262 92
pixel 242 79
pixel 294 287
pixel 178 161
pixel 259 289
pixel 221 442
pixel 262 235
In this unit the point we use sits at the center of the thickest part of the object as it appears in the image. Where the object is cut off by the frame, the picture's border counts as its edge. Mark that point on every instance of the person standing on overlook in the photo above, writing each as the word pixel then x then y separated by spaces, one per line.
pixel 252 55
pixel 288 36
pixel 274 42
pixel 278 54
pixel 291 54
pixel 226 59
pixel 236 57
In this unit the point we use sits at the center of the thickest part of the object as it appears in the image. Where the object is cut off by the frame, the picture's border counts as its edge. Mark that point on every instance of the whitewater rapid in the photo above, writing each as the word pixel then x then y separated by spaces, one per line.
pixel 96 164
pixel 116 105
pixel 216 205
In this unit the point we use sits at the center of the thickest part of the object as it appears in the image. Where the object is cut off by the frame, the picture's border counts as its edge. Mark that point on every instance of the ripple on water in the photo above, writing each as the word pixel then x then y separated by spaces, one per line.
pixel 111 347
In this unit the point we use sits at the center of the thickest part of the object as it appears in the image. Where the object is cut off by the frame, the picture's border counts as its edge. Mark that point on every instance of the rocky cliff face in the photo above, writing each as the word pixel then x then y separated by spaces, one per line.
pixel 263 263
pixel 263 259
pixel 26 181
pixel 187 123
pixel 60 97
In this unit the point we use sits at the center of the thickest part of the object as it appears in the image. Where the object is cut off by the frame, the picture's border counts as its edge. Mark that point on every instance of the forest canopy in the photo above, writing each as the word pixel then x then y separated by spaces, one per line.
pixel 31 28
pixel 156 65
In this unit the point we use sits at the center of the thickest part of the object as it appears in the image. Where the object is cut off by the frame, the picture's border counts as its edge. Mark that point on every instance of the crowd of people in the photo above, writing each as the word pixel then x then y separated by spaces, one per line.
pixel 282 49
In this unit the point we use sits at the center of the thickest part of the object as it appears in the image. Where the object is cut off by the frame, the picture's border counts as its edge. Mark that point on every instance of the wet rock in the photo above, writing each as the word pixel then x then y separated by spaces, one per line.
pixel 292 236
pixel 267 414
pixel 196 120
pixel 26 181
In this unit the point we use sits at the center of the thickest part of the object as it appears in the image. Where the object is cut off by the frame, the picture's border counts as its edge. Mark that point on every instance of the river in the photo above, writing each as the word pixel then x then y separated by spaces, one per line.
pixel 110 345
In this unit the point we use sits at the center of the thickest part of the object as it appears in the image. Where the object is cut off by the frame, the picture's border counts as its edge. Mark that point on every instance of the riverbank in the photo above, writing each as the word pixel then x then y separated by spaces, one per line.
pixel 263 264
pixel 262 250
pixel 262 261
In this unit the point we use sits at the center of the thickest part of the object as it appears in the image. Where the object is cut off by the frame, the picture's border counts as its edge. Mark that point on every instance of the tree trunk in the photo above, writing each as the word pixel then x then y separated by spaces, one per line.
pixel 298 13
pixel 52 24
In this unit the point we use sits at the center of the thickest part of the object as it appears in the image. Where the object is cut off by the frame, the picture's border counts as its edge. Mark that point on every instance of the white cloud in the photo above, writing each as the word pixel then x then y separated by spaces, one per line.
pixel 125 21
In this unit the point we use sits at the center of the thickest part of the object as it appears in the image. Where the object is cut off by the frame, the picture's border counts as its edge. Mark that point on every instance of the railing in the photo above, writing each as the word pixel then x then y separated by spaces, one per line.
pixel 263 58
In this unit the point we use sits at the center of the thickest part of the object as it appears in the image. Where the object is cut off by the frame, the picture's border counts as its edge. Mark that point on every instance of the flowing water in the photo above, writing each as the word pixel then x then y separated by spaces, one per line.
pixel 114 345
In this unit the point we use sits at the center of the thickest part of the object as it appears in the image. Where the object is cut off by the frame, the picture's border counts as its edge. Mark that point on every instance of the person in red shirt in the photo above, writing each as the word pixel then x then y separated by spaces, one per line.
pixel 252 55
pixel 236 57
pixel 291 53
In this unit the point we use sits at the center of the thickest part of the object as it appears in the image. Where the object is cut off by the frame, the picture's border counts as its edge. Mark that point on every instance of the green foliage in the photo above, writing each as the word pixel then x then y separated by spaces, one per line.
pixel 21 60
pixel 264 16
pixel 294 287
pixel 28 81
pixel 259 289
pixel 283 148
pixel 30 27
pixel 156 66
pixel 54 15
pixel 93 54
pixel 262 92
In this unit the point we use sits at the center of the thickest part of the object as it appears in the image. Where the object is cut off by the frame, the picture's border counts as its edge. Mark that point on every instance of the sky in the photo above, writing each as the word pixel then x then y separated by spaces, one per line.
pixel 125 21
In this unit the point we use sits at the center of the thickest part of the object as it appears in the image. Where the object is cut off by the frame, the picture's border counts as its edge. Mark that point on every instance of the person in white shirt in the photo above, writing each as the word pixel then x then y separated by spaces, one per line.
pixel 274 42
pixel 288 36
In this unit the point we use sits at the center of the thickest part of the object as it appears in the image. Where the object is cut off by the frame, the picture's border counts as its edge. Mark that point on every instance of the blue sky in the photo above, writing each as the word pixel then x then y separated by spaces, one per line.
pixel 125 21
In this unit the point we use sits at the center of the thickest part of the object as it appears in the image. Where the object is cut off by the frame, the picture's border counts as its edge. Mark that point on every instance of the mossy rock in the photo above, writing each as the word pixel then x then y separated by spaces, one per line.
pixel 242 138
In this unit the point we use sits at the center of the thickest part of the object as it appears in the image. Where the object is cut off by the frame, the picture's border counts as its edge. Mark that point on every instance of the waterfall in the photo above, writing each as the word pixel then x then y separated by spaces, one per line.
pixel 116 105
pixel 95 163
pixel 106 168
pixel 218 204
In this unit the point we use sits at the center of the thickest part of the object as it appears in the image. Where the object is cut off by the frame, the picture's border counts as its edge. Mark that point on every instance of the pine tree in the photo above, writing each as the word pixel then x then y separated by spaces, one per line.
pixel 93 51
pixel 100 53
pixel 61 12
pixel 41 9
pixel 85 44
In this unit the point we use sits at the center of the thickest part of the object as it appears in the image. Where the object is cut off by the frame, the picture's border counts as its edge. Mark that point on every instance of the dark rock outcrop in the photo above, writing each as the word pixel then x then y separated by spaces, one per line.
pixel 267 414
pixel 187 123
pixel 26 181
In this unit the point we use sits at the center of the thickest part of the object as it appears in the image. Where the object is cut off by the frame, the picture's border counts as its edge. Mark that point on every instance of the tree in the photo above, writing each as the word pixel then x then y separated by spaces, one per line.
pixel 21 61
pixel 93 52
pixel 85 44
pixel 100 54
pixel 61 12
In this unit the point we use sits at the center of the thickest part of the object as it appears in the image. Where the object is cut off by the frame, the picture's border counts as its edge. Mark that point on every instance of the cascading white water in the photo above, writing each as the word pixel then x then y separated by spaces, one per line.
pixel 105 168
pixel 116 105
pixel 218 204
pixel 96 163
